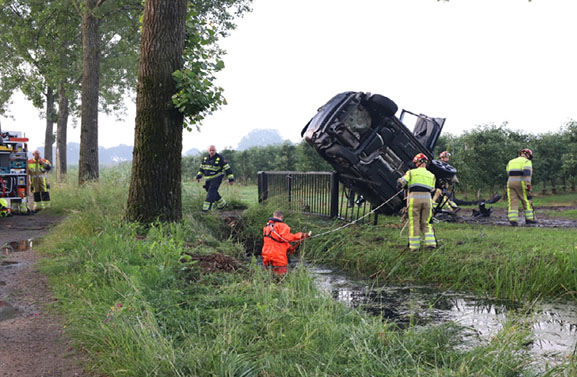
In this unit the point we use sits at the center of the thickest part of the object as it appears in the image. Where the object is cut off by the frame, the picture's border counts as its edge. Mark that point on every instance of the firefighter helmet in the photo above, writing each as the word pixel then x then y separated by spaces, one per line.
pixel 420 158
pixel 527 152
pixel 445 154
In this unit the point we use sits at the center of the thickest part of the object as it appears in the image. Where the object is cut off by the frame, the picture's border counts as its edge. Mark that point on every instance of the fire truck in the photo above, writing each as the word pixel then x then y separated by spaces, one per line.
pixel 14 172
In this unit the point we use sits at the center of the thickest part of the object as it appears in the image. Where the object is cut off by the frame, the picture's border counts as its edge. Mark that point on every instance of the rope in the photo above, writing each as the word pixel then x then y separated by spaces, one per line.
pixel 357 220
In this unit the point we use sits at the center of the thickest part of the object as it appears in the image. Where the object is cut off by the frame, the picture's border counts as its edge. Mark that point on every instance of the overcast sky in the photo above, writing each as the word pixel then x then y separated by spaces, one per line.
pixel 471 61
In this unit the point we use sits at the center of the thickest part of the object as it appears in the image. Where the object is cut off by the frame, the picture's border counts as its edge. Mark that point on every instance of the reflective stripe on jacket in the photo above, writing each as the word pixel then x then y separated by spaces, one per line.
pixel 419 180
pixel 39 167
pixel 520 169
pixel 212 167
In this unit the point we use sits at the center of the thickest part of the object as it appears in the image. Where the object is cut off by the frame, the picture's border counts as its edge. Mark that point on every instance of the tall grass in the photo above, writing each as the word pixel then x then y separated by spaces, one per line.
pixel 513 263
pixel 138 310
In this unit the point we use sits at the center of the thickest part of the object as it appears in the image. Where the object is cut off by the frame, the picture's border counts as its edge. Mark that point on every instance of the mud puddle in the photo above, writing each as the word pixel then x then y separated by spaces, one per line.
pixel 15 246
pixel 8 264
pixel 553 324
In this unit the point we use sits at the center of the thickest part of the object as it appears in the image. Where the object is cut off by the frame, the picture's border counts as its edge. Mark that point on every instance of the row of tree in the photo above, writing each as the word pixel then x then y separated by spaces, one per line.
pixel 480 156
pixel 68 57
pixel 85 56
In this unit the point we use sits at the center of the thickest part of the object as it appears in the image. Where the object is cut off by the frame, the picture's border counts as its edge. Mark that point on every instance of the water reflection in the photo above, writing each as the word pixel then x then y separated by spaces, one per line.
pixel 554 323
pixel 14 246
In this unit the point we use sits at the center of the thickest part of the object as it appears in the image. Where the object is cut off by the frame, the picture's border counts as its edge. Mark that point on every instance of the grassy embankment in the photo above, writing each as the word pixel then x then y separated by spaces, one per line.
pixel 515 263
pixel 520 264
pixel 138 310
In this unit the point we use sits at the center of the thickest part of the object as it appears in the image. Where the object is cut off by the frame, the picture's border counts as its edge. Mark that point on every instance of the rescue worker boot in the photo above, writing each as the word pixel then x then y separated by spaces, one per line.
pixel 206 206
pixel 514 223
pixel 221 203
pixel 530 222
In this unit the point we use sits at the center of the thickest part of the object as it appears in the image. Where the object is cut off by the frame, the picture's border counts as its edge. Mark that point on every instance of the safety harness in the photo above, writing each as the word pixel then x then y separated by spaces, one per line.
pixel 273 231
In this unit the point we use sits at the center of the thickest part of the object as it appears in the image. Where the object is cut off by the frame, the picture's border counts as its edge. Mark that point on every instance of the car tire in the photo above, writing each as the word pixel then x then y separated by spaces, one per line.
pixel 441 169
pixel 387 107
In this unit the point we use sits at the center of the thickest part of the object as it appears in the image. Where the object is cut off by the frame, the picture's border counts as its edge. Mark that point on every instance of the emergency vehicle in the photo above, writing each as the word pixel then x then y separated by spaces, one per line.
pixel 14 170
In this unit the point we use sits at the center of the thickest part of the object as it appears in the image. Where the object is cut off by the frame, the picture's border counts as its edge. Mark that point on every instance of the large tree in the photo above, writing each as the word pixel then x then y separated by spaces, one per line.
pixel 88 164
pixel 105 24
pixel 155 187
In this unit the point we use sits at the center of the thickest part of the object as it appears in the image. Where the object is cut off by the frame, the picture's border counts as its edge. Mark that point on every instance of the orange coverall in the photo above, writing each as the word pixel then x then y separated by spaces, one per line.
pixel 277 241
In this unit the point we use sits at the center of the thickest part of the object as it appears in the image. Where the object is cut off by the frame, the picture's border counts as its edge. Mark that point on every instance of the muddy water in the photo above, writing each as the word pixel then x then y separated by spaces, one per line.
pixel 11 247
pixel 554 324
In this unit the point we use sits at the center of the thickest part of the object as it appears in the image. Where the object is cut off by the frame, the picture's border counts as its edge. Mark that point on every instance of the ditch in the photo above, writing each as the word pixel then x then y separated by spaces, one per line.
pixel 553 323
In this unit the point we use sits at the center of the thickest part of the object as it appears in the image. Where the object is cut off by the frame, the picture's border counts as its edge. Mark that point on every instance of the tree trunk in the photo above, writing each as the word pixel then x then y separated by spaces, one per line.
pixel 61 133
pixel 49 135
pixel 155 186
pixel 88 164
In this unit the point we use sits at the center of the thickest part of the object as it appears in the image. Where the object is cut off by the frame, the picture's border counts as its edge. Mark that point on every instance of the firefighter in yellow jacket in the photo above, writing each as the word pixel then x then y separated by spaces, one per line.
pixel 444 194
pixel 213 167
pixel 520 171
pixel 421 183
pixel 5 210
pixel 38 169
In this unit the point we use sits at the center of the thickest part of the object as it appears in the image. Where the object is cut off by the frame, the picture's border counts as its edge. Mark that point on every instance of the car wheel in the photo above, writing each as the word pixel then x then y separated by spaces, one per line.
pixel 384 104
pixel 441 169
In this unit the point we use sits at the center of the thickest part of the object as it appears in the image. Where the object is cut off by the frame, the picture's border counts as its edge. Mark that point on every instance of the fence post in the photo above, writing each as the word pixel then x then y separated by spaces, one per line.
pixel 289 187
pixel 334 194
pixel 262 186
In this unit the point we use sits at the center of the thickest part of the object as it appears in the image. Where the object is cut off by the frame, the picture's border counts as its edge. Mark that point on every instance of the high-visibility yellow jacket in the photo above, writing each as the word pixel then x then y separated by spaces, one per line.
pixel 4 209
pixel 520 169
pixel 38 167
pixel 37 170
pixel 419 180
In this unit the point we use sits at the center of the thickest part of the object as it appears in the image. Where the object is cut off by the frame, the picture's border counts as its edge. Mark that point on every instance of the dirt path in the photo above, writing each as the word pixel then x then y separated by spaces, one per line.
pixel 32 343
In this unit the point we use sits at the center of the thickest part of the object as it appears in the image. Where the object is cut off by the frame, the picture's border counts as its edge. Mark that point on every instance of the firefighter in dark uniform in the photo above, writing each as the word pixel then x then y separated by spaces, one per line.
pixel 213 168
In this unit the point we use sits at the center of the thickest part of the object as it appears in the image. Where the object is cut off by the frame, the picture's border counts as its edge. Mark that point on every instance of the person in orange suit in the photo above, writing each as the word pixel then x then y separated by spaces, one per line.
pixel 277 242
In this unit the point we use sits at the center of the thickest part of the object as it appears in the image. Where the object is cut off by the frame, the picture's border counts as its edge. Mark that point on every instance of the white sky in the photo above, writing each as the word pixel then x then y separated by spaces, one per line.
pixel 471 61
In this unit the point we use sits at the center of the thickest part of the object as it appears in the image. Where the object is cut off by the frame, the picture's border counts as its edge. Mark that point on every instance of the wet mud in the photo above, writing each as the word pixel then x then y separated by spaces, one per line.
pixel 498 217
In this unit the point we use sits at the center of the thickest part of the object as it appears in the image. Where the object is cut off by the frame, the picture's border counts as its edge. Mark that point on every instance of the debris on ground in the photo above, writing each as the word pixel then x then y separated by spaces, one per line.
pixel 211 263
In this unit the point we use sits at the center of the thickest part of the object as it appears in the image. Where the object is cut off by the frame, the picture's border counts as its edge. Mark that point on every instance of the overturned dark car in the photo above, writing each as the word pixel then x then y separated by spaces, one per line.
pixel 360 136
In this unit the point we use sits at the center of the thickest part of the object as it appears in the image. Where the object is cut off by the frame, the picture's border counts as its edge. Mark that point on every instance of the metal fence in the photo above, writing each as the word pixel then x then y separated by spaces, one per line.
pixel 318 193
